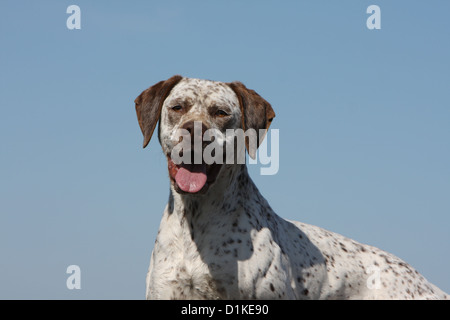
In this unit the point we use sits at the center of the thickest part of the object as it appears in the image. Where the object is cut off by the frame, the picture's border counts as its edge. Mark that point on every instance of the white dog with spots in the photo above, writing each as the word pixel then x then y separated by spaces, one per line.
pixel 220 239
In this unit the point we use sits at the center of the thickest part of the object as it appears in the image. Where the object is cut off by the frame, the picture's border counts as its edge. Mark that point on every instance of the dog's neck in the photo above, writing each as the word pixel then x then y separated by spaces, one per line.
pixel 219 198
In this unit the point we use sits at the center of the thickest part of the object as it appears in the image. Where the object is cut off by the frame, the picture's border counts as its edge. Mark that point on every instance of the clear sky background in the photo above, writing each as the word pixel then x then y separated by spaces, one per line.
pixel 363 117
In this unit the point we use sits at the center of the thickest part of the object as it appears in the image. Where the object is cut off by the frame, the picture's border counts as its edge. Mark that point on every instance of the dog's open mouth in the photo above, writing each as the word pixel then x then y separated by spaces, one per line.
pixel 192 178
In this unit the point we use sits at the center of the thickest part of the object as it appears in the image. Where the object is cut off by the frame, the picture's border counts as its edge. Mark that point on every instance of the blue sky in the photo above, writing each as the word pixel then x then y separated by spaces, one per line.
pixel 363 117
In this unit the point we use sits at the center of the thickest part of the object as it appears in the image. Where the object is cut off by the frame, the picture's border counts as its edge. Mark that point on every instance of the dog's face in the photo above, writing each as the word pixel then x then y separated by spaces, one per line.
pixel 213 106
pixel 195 107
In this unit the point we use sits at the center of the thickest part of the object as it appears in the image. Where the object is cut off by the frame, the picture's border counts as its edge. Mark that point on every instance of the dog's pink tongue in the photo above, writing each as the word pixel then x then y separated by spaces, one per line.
pixel 191 178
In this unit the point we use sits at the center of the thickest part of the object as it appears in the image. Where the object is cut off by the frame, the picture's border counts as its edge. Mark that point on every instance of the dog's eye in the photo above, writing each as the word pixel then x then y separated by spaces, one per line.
pixel 221 113
pixel 176 108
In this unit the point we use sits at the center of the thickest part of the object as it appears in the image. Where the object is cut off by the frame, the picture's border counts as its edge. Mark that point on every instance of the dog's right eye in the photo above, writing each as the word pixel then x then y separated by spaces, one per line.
pixel 177 108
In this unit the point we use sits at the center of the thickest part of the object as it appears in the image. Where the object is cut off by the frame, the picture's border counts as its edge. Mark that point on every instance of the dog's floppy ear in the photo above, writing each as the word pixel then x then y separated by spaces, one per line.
pixel 149 104
pixel 256 112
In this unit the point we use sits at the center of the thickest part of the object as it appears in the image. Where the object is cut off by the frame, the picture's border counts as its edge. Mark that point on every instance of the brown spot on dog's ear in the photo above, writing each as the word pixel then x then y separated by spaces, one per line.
pixel 149 104
pixel 256 112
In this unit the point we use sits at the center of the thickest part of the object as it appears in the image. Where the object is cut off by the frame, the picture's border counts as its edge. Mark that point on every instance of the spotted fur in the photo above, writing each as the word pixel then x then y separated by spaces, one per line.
pixel 228 243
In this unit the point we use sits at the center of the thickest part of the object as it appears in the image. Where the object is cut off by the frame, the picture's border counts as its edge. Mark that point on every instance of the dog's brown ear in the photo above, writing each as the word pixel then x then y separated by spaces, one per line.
pixel 256 112
pixel 149 104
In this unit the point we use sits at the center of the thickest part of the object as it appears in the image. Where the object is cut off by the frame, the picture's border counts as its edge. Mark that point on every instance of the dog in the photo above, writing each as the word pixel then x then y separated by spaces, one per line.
pixel 220 239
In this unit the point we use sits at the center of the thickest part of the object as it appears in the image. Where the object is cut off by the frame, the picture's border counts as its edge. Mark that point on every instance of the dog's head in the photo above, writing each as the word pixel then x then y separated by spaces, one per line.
pixel 194 108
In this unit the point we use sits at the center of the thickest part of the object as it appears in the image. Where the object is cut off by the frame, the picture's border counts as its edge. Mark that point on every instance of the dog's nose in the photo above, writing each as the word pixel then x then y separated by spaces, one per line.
pixel 196 129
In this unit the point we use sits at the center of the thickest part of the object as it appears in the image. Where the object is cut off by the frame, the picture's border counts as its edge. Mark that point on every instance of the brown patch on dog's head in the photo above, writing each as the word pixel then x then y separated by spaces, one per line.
pixel 149 104
pixel 257 113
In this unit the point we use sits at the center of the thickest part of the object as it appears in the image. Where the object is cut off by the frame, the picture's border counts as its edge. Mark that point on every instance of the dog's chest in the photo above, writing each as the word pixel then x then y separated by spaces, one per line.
pixel 215 262
pixel 185 261
pixel 186 277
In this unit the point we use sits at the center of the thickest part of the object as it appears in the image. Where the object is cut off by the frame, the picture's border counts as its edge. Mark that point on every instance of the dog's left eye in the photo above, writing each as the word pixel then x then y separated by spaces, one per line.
pixel 176 108
pixel 221 113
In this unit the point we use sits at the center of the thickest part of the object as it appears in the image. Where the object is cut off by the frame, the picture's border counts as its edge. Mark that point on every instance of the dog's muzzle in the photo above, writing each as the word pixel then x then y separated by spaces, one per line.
pixel 194 175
